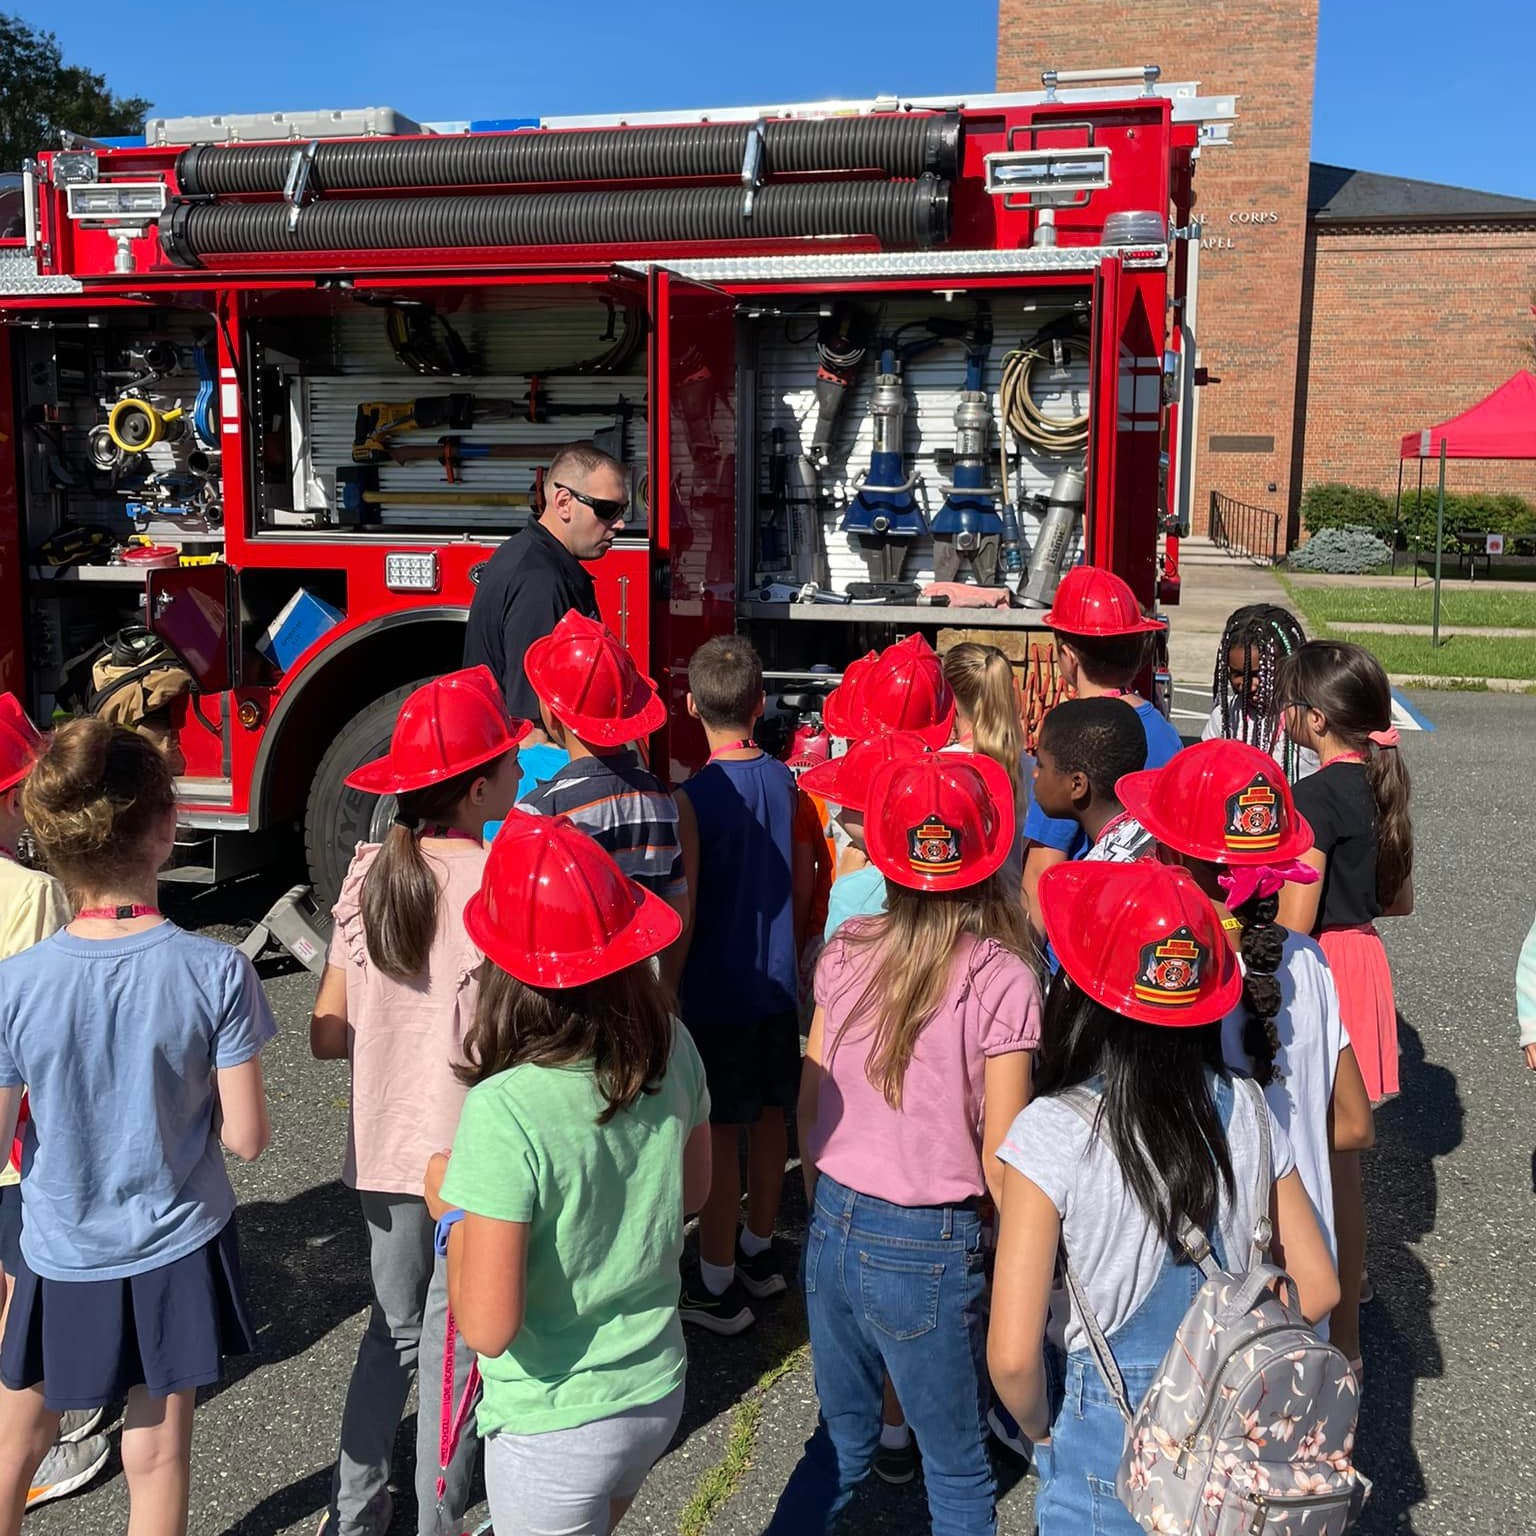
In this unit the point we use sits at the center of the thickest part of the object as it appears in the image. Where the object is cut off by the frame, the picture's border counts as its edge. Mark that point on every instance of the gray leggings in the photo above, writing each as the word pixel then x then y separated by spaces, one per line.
pixel 562 1483
pixel 408 1323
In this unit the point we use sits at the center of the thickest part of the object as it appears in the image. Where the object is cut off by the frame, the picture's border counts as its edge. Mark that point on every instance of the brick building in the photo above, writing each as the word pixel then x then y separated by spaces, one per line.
pixel 1338 308
pixel 1416 302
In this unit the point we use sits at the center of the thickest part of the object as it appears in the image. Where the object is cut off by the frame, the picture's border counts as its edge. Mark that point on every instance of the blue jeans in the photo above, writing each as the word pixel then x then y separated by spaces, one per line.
pixel 896 1290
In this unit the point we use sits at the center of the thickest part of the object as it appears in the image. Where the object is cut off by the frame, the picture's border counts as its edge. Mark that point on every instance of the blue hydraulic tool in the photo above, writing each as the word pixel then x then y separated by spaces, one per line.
pixel 968 526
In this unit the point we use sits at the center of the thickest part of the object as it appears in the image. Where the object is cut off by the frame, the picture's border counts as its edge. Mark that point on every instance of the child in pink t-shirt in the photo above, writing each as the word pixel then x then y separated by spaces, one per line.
pixel 396 1000
pixel 919 1057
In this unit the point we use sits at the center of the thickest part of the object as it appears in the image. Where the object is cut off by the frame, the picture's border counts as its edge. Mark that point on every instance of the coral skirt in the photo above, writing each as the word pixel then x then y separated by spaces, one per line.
pixel 1359 965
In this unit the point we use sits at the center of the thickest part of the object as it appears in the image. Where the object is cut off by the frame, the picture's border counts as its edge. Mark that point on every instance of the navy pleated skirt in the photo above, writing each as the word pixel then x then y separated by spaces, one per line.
pixel 90 1341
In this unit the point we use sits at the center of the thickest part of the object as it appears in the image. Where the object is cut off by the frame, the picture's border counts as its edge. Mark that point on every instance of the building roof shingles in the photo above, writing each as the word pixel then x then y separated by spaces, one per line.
pixel 1336 193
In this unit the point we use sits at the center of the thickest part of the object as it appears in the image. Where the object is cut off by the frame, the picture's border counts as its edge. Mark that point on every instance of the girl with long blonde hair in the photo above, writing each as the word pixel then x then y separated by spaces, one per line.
pixel 926 1019
pixel 988 721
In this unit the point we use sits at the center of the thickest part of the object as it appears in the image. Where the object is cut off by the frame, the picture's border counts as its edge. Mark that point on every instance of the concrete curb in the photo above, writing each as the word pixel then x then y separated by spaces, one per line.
pixel 1426 631
pixel 1464 684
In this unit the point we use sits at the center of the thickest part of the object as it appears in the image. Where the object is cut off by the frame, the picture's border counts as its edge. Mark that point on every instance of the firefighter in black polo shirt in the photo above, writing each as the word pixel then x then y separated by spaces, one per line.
pixel 538 576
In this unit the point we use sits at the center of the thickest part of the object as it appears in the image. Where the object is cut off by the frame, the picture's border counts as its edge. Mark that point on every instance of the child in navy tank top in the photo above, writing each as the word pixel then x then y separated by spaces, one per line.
pixel 739 981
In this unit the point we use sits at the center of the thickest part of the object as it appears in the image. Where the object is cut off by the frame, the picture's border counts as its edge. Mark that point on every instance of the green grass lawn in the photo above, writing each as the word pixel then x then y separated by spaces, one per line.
pixel 1459 604
pixel 1458 655
pixel 1472 656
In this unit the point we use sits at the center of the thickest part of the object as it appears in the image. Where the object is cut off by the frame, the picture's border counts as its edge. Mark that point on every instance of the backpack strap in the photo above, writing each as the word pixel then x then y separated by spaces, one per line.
pixel 1086 1106
pixel 1263 1229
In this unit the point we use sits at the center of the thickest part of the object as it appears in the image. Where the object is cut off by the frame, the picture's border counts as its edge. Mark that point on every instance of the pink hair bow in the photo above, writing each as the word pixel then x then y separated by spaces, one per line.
pixel 1243 882
pixel 1386 738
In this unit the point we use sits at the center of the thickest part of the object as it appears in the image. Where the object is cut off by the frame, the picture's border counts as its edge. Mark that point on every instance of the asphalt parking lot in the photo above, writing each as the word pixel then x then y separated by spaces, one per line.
pixel 1448 1412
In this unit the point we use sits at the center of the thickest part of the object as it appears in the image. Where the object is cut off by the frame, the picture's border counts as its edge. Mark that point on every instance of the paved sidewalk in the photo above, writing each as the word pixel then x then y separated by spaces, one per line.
pixel 1212 587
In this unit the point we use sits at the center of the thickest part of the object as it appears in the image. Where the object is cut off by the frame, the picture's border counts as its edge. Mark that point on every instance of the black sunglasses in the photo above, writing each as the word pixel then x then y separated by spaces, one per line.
pixel 607 511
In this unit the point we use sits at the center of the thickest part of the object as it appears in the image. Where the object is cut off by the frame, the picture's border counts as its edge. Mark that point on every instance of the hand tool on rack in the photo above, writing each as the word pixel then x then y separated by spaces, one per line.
pixel 452 452
pixel 884 516
pixel 773 515
pixel 1059 514
pixel 358 492
pixel 968 526
pixel 379 420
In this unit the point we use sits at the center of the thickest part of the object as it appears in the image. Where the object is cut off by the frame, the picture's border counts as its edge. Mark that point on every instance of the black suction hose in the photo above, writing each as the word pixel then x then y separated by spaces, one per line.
pixel 902 146
pixel 897 213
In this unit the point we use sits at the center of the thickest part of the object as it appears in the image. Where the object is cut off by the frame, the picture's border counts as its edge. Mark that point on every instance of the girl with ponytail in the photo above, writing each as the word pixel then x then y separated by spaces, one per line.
pixel 1338 703
pixel 1225 811
pixel 987 721
pixel 397 1000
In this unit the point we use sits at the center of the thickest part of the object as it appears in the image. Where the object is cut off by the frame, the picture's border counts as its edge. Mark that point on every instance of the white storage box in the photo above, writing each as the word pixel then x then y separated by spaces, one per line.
pixel 265 127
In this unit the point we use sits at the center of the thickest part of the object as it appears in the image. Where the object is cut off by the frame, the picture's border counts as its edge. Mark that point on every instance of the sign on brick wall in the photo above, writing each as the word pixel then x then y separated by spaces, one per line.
pixel 1238 219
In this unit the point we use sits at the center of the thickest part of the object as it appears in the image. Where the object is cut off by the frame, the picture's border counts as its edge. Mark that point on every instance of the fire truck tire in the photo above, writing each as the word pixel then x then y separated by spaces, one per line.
pixel 337 819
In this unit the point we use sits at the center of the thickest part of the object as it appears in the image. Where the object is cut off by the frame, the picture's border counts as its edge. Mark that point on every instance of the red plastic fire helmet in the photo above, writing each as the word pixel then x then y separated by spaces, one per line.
pixel 845 780
pixel 21 743
pixel 940 822
pixel 448 726
pixel 902 689
pixel 1142 939
pixel 841 711
pixel 1222 801
pixel 554 910
pixel 810 747
pixel 590 684
pixel 1095 602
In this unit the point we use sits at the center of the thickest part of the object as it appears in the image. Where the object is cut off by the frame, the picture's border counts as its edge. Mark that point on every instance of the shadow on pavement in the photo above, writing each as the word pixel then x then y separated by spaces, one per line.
pixel 1397 1330
pixel 306 1270
pixel 286 1507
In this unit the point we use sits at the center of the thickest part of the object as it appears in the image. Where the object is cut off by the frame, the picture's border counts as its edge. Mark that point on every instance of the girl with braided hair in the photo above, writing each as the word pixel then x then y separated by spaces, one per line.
pixel 1224 811
pixel 1245 690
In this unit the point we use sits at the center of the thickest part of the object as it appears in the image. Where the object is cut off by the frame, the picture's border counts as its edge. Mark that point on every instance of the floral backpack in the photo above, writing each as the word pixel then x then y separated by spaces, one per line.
pixel 1248 1429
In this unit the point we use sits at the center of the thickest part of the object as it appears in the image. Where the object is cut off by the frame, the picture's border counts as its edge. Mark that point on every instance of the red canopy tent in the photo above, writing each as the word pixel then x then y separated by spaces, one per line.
pixel 1501 426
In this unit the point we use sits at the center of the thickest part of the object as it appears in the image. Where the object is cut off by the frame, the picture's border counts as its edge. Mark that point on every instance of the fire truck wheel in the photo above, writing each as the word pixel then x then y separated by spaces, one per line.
pixel 336 818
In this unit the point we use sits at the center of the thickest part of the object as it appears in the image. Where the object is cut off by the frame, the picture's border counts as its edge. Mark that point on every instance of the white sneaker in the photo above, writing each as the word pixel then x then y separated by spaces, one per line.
pixel 68 1467
pixel 77 1423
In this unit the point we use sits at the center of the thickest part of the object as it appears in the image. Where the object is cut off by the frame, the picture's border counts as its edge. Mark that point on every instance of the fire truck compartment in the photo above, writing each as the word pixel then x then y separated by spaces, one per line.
pixel 376 436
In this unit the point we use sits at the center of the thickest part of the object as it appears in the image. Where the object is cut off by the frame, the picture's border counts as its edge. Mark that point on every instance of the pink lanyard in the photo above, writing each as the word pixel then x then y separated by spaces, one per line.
pixel 120 914
pixel 731 746
pixel 452 1421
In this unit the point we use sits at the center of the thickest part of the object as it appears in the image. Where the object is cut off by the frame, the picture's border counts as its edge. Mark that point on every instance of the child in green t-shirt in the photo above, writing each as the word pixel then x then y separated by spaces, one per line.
pixel 583 1141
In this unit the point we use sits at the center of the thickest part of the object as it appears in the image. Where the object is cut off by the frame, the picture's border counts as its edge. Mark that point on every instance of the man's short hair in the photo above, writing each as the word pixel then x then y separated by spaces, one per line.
pixel 1100 738
pixel 1111 661
pixel 725 677
pixel 575 461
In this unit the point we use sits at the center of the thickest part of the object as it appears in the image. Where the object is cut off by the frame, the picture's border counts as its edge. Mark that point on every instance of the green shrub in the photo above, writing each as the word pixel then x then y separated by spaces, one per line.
pixel 1330 504
pixel 1342 551
pixel 1476 511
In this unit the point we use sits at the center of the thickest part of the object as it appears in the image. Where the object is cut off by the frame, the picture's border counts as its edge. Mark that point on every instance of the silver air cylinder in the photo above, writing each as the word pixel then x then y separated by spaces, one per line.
pixel 888 410
pixel 1063 508
pixel 973 427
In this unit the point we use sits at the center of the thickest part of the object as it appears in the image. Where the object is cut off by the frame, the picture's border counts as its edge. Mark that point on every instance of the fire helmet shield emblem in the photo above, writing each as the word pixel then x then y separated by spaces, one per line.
pixel 933 847
pixel 1170 970
pixel 1254 818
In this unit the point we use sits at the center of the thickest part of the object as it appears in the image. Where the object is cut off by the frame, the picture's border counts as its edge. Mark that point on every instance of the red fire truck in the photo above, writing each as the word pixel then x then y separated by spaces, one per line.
pixel 276 387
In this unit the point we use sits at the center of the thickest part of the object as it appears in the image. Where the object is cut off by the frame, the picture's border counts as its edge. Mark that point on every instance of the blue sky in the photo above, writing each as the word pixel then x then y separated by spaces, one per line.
pixel 1396 92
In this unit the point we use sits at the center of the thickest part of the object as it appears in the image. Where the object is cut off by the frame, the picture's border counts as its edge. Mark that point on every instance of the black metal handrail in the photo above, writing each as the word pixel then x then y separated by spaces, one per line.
pixel 1253 532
